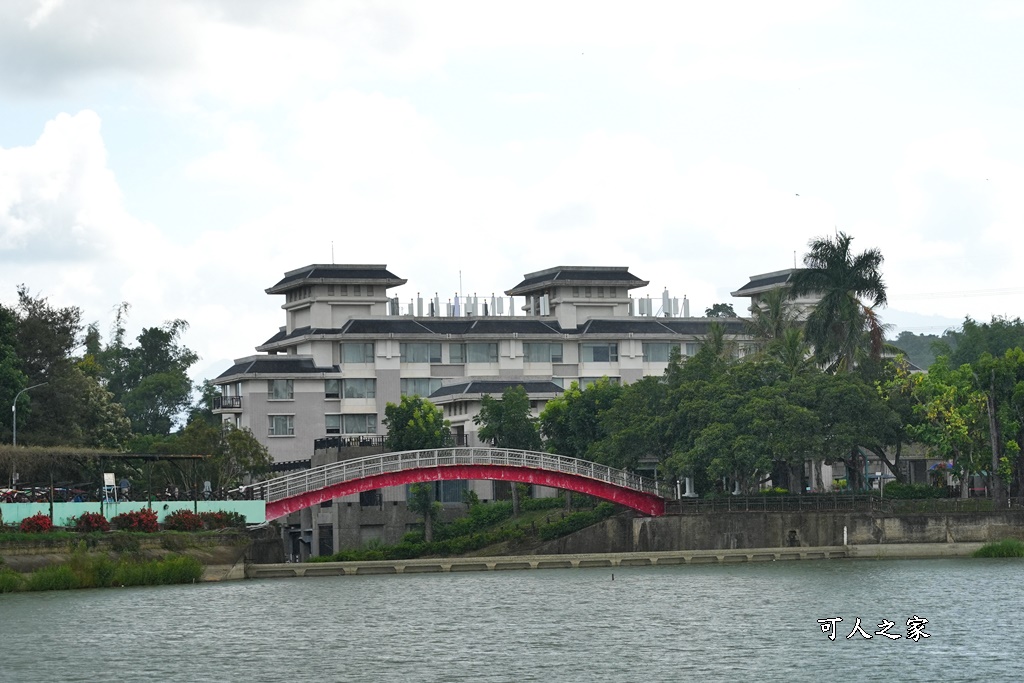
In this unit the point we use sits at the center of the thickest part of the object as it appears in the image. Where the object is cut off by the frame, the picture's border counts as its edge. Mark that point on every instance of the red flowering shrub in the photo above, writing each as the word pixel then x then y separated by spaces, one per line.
pixel 183 520
pixel 37 524
pixel 92 521
pixel 139 520
pixel 222 519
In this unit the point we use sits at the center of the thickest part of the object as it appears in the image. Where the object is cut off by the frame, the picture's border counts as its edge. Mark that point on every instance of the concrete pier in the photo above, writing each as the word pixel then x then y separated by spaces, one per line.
pixel 610 560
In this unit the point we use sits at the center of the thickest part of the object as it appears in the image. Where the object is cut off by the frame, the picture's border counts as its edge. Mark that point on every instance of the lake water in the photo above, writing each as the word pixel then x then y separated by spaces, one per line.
pixel 736 623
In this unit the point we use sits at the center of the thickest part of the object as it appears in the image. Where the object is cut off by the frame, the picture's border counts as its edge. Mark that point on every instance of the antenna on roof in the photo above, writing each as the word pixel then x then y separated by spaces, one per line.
pixel 332 252
pixel 794 258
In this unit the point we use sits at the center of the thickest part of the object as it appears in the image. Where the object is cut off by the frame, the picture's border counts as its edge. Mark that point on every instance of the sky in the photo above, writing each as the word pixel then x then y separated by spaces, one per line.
pixel 181 156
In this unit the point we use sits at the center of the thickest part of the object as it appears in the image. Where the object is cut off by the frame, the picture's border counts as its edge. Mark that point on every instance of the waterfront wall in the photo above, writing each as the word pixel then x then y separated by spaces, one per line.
pixel 253 510
pixel 737 530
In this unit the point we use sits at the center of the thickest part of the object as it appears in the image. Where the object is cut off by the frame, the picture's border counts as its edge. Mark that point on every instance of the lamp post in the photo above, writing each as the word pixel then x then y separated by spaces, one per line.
pixel 14 413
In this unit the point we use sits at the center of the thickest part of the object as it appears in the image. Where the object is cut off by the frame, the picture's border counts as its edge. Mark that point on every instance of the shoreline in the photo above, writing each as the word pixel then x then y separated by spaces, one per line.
pixel 608 560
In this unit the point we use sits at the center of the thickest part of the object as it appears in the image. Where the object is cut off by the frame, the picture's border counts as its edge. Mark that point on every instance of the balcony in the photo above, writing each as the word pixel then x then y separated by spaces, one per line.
pixel 227 404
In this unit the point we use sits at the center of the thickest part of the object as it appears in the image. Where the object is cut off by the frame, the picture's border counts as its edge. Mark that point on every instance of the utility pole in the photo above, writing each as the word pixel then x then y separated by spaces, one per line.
pixel 14 413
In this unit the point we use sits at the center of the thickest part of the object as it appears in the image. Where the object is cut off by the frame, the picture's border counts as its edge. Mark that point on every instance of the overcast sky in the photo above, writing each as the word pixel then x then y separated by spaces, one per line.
pixel 181 156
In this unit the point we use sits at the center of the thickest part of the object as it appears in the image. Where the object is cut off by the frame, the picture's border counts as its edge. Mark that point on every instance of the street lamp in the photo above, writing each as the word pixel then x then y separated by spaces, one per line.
pixel 14 412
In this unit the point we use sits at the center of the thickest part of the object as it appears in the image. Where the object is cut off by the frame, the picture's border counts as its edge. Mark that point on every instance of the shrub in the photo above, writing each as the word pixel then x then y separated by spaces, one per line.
pixel 575 522
pixel 37 524
pixel 124 543
pixel 138 520
pixel 91 521
pixel 10 580
pixel 904 491
pixel 183 520
pixel 1008 547
pixel 55 578
pixel 222 519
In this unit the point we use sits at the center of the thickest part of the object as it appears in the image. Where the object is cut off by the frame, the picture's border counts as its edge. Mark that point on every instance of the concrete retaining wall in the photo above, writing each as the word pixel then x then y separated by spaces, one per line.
pixel 737 530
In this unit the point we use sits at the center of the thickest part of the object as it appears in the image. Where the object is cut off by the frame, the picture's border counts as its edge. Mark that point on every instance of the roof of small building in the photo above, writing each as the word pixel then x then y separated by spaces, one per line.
pixel 765 281
pixel 337 274
pixel 495 387
pixel 578 275
pixel 274 365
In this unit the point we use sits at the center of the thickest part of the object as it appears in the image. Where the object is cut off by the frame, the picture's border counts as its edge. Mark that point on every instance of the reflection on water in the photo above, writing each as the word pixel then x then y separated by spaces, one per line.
pixel 736 622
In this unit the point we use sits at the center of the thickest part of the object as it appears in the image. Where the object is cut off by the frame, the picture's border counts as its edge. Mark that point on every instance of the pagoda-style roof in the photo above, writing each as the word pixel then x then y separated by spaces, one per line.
pixel 614 276
pixel 759 284
pixel 337 274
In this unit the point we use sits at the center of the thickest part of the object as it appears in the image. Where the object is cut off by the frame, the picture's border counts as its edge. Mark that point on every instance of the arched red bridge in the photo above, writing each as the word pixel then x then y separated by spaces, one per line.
pixel 292 492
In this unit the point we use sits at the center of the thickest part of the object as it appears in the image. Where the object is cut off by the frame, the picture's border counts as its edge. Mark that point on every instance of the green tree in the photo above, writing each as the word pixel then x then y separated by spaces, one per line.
pixel 12 379
pixel 953 421
pixel 772 316
pixel 508 423
pixel 975 339
pixel 720 311
pixel 151 379
pixel 841 324
pixel 417 424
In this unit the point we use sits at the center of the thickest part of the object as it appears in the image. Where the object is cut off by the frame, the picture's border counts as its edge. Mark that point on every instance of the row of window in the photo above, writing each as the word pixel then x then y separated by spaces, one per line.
pixel 284 425
pixel 300 293
pixel 533 352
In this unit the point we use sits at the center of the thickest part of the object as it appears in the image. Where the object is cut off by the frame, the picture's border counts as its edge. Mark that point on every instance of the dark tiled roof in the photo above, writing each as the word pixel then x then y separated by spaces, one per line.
pixel 454 326
pixel 526 326
pixel 299 332
pixel 394 325
pixel 760 282
pixel 496 388
pixel 581 275
pixel 699 326
pixel 273 365
pixel 337 274
pixel 659 326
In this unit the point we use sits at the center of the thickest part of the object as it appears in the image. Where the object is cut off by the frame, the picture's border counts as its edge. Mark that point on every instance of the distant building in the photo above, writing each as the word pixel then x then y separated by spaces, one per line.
pixel 347 349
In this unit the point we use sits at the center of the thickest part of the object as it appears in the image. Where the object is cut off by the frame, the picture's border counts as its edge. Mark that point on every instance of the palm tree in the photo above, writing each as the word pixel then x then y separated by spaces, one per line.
pixel 772 315
pixel 841 323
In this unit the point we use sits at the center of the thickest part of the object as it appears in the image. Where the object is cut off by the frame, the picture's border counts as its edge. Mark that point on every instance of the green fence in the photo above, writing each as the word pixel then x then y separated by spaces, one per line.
pixel 253 510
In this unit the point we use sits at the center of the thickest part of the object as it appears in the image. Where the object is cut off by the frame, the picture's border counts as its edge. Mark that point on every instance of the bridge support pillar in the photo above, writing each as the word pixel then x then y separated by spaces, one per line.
pixel 690 493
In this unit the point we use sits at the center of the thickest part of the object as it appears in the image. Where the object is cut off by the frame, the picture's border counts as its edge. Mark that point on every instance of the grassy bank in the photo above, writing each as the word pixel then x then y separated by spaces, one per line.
pixel 1008 547
pixel 485 526
pixel 86 570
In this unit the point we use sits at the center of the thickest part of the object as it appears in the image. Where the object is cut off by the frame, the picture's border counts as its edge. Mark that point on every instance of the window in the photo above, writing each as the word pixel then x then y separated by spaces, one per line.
pixel 359 424
pixel 482 352
pixel 692 348
pixel 420 352
pixel 369 290
pixel 586 292
pixel 456 353
pixel 332 388
pixel 359 388
pixel 576 292
pixel 280 389
pixel 658 352
pixel 599 352
pixel 281 425
pixel 357 290
pixel 419 386
pixel 333 424
pixel 542 352
pixel 611 292
pixel 330 290
pixel 358 352
pixel 350 424
pixel 600 292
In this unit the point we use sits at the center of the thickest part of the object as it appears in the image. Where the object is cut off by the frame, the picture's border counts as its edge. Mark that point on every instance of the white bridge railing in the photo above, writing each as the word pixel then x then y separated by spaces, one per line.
pixel 318 478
